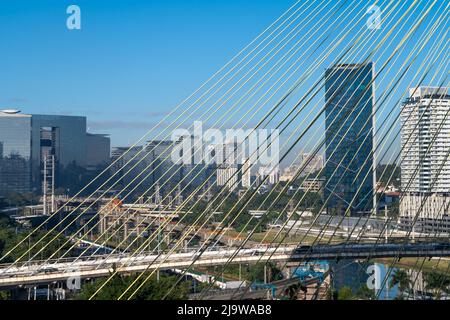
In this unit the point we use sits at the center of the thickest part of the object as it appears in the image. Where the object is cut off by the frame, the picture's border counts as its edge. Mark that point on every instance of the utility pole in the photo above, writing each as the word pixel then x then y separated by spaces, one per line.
pixel 53 183
pixel 387 226
pixel 240 272
pixel 49 178
pixel 45 186
pixel 265 273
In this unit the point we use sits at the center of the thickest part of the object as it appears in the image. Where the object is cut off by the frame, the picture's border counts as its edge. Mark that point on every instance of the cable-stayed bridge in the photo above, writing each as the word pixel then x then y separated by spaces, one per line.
pixel 278 82
pixel 101 266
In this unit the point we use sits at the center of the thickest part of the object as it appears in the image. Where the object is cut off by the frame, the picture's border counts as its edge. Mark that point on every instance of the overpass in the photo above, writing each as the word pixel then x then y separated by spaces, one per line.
pixel 35 272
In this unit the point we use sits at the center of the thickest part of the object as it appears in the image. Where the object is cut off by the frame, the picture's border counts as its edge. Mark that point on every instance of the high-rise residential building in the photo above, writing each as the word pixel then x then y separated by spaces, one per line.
pixel 310 163
pixel 246 180
pixel 227 176
pixel 225 158
pixel 28 140
pixel 349 98
pixel 425 169
pixel 269 175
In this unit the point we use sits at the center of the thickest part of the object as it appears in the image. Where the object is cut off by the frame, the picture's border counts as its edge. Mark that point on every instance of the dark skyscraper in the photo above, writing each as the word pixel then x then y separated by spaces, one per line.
pixel 349 99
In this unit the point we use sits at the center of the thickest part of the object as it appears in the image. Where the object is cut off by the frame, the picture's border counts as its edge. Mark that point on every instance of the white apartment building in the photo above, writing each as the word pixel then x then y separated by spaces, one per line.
pixel 425 171
pixel 226 159
pixel 272 175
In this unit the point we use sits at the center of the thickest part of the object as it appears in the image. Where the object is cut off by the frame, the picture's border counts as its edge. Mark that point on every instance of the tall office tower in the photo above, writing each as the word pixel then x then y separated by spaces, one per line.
pixel 15 160
pixel 349 169
pixel 425 169
pixel 164 171
pixel 131 166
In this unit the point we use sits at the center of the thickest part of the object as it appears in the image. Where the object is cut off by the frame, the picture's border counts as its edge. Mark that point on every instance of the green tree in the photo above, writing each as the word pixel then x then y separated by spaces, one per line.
pixel 4 295
pixel 256 272
pixel 151 290
pixel 12 237
pixel 365 293
pixel 389 170
pixel 438 283
pixel 345 293
pixel 400 278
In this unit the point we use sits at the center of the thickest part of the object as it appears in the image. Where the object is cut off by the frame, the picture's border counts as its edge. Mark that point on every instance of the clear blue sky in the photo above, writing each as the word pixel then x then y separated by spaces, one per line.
pixel 134 61
pixel 131 61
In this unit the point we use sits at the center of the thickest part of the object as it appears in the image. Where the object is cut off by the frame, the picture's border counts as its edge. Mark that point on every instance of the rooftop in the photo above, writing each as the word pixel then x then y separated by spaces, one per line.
pixel 427 91
pixel 13 113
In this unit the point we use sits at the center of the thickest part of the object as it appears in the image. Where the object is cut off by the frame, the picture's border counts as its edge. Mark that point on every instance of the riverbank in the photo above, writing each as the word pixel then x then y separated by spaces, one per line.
pixel 424 264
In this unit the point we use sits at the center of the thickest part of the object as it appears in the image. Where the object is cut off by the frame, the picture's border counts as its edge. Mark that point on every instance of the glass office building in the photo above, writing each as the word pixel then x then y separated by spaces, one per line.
pixel 349 169
pixel 15 152
pixel 26 141
pixel 63 137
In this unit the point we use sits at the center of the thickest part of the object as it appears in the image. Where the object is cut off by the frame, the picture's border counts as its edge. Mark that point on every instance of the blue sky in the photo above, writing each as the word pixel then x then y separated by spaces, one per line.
pixel 131 62
pixel 134 61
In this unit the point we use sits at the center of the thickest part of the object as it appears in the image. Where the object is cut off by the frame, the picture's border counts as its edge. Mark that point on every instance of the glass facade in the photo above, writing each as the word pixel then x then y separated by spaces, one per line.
pixel 15 153
pixel 132 165
pixel 26 140
pixel 349 138
pixel 64 137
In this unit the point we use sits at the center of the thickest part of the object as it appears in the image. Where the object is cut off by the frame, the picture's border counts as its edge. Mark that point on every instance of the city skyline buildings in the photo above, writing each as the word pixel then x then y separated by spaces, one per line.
pixel 123 105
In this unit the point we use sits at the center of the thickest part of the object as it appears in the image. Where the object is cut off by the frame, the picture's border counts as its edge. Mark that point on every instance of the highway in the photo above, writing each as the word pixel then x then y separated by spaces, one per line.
pixel 102 265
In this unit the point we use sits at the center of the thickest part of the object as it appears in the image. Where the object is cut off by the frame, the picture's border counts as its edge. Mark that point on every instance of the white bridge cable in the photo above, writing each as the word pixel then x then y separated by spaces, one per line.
pixel 163 120
pixel 298 171
pixel 396 258
pixel 192 169
pixel 436 178
pixel 359 218
pixel 317 148
pixel 419 270
pixel 203 169
pixel 363 227
pixel 221 234
pixel 285 208
pixel 124 175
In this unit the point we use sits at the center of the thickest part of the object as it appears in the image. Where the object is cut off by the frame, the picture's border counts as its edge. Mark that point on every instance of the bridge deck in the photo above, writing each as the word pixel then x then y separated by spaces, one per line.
pixel 100 266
